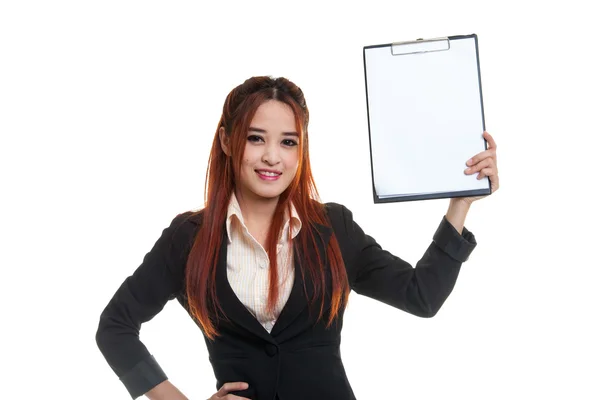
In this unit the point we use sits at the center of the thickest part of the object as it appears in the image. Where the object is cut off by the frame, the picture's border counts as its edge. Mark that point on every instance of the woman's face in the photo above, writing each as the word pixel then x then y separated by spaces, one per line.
pixel 271 156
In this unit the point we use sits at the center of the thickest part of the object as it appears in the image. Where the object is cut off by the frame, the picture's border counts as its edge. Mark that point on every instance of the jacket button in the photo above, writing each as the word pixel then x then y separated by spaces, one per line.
pixel 271 349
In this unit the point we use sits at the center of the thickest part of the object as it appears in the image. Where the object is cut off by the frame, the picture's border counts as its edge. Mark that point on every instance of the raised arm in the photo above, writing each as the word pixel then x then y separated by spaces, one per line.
pixel 139 298
pixel 422 290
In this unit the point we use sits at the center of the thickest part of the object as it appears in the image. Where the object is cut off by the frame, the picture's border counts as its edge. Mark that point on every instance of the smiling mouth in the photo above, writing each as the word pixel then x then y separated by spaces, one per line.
pixel 267 173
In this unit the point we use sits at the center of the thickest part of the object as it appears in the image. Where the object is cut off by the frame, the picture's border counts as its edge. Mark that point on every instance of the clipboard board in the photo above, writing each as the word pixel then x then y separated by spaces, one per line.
pixel 425 118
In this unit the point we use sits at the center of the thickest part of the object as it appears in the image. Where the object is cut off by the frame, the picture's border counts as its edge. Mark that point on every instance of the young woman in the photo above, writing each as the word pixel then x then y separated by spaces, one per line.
pixel 265 269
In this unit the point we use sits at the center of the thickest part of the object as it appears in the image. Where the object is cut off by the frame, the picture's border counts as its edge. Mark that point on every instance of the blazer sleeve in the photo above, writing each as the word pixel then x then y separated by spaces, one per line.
pixel 422 290
pixel 139 298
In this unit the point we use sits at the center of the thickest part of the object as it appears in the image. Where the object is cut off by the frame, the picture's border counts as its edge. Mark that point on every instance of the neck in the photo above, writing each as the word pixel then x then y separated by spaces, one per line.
pixel 256 212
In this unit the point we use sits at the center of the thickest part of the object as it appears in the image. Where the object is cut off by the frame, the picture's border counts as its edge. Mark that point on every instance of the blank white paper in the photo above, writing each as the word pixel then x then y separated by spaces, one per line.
pixel 425 117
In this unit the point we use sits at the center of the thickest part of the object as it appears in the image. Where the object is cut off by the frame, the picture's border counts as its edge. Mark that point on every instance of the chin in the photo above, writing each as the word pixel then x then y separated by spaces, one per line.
pixel 264 191
pixel 267 195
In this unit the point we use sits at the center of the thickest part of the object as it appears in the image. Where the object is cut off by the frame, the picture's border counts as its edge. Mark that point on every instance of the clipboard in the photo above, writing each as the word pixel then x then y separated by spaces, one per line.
pixel 425 118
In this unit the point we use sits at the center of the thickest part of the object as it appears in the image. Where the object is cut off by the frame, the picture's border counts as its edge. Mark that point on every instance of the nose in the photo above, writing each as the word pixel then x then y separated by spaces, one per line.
pixel 271 154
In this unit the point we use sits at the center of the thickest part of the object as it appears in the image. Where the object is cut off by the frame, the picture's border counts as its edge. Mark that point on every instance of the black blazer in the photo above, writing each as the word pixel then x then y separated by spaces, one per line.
pixel 299 359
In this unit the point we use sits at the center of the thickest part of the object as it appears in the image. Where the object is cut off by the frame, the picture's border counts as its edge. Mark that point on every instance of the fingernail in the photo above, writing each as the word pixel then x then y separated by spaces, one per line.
pixel 468 170
pixel 470 161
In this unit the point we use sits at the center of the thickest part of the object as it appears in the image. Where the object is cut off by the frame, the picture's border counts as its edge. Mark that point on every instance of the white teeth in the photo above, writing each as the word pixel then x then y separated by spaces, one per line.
pixel 265 173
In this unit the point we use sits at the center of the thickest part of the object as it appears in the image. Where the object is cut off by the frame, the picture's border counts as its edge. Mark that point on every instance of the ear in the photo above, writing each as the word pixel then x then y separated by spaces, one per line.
pixel 224 141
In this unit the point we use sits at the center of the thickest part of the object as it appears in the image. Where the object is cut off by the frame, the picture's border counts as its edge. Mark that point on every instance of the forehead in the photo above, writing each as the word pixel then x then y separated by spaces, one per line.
pixel 274 114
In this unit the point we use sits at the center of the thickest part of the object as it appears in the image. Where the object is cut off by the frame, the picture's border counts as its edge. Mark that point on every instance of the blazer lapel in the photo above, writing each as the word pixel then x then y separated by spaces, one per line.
pixel 297 301
pixel 232 306
pixel 238 313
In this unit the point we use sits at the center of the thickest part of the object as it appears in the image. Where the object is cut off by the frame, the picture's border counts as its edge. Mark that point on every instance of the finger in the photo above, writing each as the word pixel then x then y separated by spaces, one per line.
pixel 485 172
pixel 494 182
pixel 485 163
pixel 490 140
pixel 230 387
pixel 489 153
pixel 234 397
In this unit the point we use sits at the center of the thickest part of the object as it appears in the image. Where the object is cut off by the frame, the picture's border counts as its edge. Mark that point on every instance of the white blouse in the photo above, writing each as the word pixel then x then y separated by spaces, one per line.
pixel 248 264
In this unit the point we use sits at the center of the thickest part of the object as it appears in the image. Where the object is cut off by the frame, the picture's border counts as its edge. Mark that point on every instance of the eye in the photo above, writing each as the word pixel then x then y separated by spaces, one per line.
pixel 290 143
pixel 254 138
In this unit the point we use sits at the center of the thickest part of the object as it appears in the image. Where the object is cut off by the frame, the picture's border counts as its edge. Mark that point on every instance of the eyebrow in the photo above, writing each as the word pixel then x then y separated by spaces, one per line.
pixel 259 130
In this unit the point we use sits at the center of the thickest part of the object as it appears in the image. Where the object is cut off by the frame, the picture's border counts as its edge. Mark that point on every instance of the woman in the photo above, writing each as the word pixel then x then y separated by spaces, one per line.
pixel 265 269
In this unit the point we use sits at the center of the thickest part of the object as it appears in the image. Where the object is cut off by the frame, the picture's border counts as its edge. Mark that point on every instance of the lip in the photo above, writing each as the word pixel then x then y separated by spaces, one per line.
pixel 267 178
pixel 268 170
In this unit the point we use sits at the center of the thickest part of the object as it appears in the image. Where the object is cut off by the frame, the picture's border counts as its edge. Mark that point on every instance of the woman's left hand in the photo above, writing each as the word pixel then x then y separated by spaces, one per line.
pixel 485 164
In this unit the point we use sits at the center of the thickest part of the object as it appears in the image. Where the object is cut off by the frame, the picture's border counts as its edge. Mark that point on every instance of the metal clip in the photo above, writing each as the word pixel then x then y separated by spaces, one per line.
pixel 420 46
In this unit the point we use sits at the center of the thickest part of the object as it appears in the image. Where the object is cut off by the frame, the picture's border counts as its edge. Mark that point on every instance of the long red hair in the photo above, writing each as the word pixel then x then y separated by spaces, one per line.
pixel 238 111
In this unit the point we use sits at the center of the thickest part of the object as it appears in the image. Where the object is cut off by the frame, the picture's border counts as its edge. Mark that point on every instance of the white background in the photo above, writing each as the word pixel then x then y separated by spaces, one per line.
pixel 107 112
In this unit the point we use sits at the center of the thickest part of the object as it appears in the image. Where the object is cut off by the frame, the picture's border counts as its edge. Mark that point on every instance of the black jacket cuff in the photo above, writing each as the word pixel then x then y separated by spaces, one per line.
pixel 453 243
pixel 143 377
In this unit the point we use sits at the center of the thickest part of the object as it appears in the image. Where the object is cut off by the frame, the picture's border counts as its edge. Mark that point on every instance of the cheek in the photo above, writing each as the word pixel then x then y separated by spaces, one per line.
pixel 246 167
pixel 292 162
pixel 248 161
pixel 244 170
pixel 252 155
